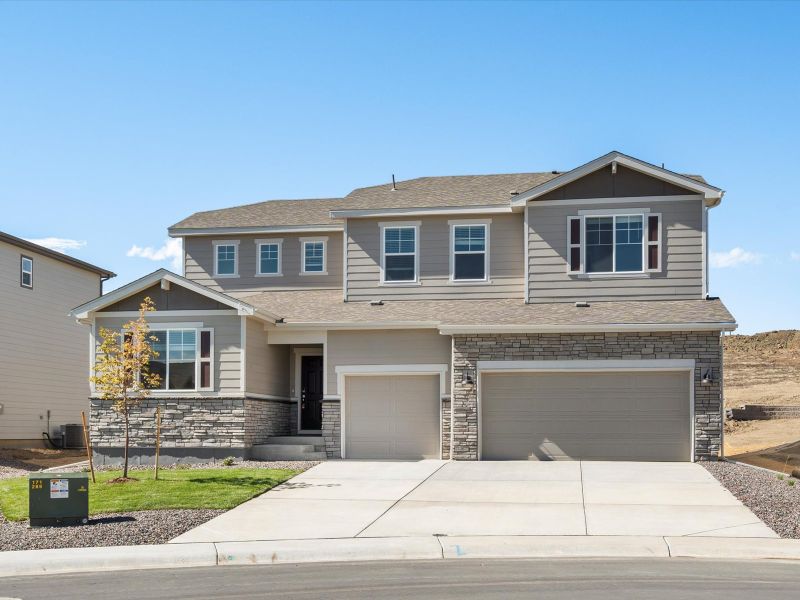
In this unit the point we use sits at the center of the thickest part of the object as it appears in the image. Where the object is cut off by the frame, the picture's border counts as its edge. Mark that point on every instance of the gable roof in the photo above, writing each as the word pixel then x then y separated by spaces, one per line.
pixel 83 311
pixel 31 247
pixel 448 192
pixel 695 183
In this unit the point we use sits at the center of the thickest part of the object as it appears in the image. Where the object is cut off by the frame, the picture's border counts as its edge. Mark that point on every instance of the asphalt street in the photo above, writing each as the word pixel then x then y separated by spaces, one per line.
pixel 508 579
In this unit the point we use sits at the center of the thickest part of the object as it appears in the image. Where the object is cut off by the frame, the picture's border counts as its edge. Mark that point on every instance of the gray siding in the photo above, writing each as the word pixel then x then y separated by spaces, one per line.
pixel 625 183
pixel 44 353
pixel 200 264
pixel 682 257
pixel 386 347
pixel 267 365
pixel 506 261
pixel 176 298
pixel 227 344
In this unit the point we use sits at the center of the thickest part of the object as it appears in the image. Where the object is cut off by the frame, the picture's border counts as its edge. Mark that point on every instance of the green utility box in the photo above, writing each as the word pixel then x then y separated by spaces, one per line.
pixel 58 498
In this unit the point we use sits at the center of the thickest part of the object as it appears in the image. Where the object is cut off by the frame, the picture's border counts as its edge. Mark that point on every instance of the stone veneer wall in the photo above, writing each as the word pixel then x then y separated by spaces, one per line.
pixel 190 423
pixel 704 347
pixel 332 428
pixel 446 428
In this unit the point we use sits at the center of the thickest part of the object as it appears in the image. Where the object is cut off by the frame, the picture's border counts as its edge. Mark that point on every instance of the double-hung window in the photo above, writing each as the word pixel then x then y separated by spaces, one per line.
pixel 399 245
pixel 226 258
pixel 470 256
pixel 269 257
pixel 26 271
pixel 184 360
pixel 314 259
pixel 614 243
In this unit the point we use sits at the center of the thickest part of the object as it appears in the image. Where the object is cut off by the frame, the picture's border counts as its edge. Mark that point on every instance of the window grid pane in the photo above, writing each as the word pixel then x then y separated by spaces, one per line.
pixel 469 238
pixel 399 253
pixel 399 240
pixel 314 257
pixel 268 258
pixel 599 244
pixel 226 259
pixel 629 244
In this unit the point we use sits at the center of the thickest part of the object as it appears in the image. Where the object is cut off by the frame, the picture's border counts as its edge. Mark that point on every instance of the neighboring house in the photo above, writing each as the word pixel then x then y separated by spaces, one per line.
pixel 43 352
pixel 524 316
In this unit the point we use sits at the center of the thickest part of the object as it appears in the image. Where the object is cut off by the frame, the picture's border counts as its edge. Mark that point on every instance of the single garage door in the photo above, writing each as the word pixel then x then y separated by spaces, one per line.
pixel 393 417
pixel 591 416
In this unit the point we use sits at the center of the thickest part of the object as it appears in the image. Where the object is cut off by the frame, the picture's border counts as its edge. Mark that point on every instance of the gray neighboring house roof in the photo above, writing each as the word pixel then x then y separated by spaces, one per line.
pixel 321 307
pixel 31 247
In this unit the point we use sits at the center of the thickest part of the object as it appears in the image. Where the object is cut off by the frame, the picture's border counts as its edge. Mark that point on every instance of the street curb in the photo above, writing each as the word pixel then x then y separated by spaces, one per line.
pixel 76 560
pixel 208 554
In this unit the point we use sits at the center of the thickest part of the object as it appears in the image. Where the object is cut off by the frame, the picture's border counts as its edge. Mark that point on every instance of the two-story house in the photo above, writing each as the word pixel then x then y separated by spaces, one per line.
pixel 525 316
pixel 43 351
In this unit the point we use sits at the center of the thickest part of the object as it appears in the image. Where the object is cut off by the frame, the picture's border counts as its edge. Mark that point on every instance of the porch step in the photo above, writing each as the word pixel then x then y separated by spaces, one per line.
pixel 287 452
pixel 316 440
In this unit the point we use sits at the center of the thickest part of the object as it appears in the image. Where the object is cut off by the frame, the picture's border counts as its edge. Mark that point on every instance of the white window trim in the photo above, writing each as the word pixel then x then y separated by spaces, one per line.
pixel 235 244
pixel 486 223
pixel 416 225
pixel 311 240
pixel 644 213
pixel 197 328
pixel 269 242
pixel 22 271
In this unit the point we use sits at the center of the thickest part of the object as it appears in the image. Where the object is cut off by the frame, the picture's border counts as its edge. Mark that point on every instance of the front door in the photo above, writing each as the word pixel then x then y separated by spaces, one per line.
pixel 311 393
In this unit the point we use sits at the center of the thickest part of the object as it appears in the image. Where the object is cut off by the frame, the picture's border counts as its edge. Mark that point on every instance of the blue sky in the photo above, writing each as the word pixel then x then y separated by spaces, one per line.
pixel 119 119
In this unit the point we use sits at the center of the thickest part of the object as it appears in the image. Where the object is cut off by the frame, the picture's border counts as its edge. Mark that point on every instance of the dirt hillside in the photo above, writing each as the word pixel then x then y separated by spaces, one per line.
pixel 763 368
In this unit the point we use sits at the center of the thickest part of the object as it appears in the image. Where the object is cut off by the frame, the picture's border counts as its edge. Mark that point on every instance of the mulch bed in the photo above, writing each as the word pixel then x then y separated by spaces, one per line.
pixel 772 500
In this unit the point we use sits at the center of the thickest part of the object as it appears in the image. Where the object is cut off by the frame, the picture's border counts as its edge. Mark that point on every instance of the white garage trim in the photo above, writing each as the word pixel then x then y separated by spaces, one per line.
pixel 605 366
pixel 377 370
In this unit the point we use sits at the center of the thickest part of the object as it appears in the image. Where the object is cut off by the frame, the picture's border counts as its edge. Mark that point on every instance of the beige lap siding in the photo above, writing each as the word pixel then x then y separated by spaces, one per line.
pixel 267 365
pixel 681 276
pixel 200 263
pixel 703 347
pixel 506 260
pixel 227 344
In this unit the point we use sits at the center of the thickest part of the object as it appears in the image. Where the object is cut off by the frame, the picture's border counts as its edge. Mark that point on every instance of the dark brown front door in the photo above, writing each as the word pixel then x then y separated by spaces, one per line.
pixel 311 393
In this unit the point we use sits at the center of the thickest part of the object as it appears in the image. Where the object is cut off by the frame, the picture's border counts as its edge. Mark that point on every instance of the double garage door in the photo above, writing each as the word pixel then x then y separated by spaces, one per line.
pixel 586 415
pixel 392 417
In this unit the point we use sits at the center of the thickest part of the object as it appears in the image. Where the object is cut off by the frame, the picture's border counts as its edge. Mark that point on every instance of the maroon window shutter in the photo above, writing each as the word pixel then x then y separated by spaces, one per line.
pixel 653 242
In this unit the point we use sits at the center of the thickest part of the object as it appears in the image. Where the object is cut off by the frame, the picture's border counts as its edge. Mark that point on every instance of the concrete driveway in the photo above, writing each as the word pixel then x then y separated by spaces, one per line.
pixel 345 499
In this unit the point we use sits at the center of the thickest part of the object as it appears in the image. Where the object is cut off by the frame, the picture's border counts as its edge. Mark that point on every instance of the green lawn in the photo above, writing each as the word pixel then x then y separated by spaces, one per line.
pixel 189 488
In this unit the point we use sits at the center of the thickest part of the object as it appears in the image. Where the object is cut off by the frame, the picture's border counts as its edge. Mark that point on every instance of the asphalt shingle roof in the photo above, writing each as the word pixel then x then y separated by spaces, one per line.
pixel 326 306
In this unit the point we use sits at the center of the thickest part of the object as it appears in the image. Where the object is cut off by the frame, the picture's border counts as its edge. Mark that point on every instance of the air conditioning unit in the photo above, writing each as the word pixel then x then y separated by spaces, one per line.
pixel 72 436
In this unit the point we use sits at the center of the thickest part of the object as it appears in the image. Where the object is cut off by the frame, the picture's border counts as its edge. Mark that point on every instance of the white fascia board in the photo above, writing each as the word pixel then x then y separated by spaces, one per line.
pixel 431 211
pixel 622 200
pixel 242 308
pixel 254 230
pixel 317 325
pixel 712 194
pixel 655 364
pixel 597 328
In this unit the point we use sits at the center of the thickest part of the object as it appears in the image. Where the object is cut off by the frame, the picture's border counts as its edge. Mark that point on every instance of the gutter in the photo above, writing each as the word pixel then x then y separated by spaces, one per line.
pixel 593 328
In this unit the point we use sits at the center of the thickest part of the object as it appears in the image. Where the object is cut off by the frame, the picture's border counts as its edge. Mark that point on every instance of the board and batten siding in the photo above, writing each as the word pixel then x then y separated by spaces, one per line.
pixel 44 352
pixel 506 260
pixel 267 366
pixel 227 344
pixel 199 265
pixel 385 347
pixel 681 276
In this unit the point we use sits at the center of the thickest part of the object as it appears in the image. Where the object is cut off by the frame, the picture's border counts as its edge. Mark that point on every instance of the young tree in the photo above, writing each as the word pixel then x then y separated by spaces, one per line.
pixel 122 367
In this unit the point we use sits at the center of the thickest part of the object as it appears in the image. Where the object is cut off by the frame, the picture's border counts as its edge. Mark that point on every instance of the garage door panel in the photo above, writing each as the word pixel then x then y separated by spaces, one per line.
pixel 392 417
pixel 600 416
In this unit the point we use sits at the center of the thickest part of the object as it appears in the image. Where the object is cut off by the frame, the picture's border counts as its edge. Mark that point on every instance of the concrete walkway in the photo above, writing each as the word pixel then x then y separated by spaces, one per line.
pixel 355 499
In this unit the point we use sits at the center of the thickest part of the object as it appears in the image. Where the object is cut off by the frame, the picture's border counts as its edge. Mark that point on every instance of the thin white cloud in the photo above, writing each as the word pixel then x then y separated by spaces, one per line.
pixel 59 244
pixel 172 251
pixel 733 258
pixel 795 256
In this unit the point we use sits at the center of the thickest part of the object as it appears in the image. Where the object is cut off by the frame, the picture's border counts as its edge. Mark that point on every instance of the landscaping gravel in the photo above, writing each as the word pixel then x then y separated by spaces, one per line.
pixel 118 529
pixel 772 500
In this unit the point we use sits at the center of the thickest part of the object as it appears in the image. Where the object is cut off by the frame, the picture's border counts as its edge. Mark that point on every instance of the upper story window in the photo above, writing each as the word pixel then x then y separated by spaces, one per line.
pixel 614 243
pixel 226 258
pixel 26 272
pixel 185 358
pixel 469 251
pixel 269 257
pixel 400 256
pixel 314 256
